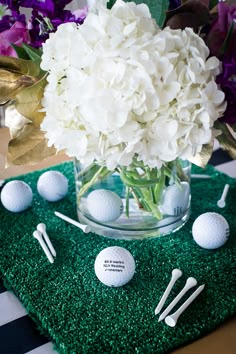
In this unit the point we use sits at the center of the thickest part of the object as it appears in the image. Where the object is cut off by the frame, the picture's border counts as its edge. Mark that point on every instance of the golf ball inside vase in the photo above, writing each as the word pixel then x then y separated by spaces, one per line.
pixel 104 205
pixel 16 196
pixel 176 199
pixel 210 230
pixel 114 266
pixel 52 186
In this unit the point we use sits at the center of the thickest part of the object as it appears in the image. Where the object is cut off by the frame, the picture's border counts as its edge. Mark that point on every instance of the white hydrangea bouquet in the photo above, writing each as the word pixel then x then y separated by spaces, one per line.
pixel 122 95
pixel 129 91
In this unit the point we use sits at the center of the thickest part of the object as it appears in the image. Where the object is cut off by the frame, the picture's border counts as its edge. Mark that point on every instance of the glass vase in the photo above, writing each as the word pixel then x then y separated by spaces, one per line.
pixel 138 202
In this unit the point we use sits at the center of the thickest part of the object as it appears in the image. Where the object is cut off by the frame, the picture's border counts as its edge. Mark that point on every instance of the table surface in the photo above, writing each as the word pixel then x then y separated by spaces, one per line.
pixel 221 341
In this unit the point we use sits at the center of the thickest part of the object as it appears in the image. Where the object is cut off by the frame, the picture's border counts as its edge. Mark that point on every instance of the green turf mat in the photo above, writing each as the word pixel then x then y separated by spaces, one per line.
pixel 81 314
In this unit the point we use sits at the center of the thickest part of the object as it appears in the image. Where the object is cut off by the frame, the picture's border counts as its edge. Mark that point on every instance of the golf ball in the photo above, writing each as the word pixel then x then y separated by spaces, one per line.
pixel 16 196
pixel 210 230
pixel 176 199
pixel 104 205
pixel 52 186
pixel 114 266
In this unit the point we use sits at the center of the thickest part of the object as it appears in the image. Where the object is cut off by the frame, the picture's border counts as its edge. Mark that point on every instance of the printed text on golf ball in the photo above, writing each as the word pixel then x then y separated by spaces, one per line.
pixel 114 266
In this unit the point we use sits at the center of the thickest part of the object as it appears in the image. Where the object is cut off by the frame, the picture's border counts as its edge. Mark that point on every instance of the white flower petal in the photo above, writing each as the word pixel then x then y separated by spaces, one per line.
pixel 119 88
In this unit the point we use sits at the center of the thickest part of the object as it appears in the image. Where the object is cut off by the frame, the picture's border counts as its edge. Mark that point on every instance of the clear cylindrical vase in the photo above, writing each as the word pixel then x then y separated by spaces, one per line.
pixel 138 202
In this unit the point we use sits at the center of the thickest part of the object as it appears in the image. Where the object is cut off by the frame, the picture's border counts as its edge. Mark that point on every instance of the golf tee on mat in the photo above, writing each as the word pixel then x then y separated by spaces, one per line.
pixel 221 202
pixel 172 319
pixel 189 284
pixel 84 228
pixel 39 236
pixel 176 274
pixel 42 228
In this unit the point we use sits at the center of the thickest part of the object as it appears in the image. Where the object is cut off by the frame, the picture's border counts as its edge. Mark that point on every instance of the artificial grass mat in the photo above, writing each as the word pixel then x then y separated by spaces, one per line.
pixel 82 315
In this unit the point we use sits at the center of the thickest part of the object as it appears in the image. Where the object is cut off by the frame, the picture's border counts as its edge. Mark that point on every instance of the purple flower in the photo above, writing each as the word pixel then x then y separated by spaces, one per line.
pixel 13 5
pixel 17 34
pixel 220 29
pixel 173 4
pixel 227 82
pixel 40 26
pixel 8 21
pixel 221 40
pixel 45 17
pixel 80 14
pixel 45 7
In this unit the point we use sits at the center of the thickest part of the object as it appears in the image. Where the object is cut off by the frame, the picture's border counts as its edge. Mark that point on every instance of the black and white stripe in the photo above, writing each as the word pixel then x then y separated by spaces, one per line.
pixel 222 161
pixel 18 333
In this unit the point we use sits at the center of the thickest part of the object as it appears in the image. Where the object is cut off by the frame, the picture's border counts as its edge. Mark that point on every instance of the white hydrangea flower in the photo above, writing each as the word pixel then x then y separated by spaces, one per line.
pixel 120 88
pixel 95 5
pixel 14 121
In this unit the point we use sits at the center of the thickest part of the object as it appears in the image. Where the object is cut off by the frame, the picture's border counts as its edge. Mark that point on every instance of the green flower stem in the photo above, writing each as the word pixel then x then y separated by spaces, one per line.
pixel 180 173
pixel 159 187
pixel 100 174
pixel 171 172
pixel 144 184
pixel 148 203
pixel 147 188
pixel 135 180
pixel 88 171
pixel 127 192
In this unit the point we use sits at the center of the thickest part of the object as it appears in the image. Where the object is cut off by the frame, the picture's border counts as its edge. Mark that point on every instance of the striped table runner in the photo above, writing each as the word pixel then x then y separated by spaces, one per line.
pixel 18 333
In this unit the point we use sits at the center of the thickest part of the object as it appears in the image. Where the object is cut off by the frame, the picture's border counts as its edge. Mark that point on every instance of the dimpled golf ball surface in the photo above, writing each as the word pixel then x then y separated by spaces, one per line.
pixel 210 230
pixel 52 186
pixel 114 266
pixel 16 196
pixel 176 199
pixel 104 205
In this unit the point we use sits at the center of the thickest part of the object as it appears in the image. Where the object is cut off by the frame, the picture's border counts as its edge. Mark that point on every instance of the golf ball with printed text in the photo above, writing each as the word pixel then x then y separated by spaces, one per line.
pixel 16 196
pixel 52 186
pixel 114 266
pixel 104 205
pixel 176 199
pixel 210 230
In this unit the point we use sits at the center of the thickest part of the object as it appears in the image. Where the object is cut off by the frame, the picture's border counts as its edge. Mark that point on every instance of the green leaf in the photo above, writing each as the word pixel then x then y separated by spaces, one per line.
pixel 157 8
pixel 212 4
pixel 33 53
pixel 21 53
